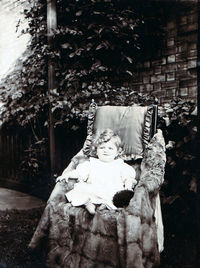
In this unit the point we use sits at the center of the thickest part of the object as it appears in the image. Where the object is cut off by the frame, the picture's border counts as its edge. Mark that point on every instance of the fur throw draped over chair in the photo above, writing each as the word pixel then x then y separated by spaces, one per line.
pixel 129 237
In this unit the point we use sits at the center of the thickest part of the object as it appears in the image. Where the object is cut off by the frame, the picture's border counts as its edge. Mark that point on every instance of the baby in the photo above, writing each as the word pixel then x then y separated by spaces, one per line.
pixel 102 176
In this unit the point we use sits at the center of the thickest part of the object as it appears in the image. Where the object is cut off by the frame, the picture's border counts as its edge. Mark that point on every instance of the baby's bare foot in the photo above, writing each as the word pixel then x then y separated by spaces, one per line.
pixel 90 208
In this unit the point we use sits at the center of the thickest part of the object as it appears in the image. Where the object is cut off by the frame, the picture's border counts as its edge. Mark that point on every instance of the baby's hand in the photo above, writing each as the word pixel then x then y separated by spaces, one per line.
pixel 128 186
pixel 62 178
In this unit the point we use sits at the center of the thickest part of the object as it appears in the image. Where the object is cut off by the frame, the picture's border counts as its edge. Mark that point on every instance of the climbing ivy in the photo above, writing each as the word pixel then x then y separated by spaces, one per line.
pixel 96 46
pixel 24 91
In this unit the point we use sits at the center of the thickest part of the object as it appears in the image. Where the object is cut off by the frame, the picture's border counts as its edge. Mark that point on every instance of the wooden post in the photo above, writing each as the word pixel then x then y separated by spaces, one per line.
pixel 198 68
pixel 51 25
pixel 198 142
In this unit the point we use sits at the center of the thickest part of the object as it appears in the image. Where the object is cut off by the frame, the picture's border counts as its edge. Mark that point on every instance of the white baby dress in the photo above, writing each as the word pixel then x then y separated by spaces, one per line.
pixel 99 181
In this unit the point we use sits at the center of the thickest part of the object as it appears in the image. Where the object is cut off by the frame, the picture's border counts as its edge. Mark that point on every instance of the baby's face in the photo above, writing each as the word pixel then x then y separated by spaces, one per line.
pixel 107 151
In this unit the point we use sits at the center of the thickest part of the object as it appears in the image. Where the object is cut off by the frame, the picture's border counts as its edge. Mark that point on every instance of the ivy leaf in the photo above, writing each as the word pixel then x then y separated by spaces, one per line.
pixel 129 59
pixel 79 13
pixel 102 68
pixel 71 55
pixel 65 45
pixel 129 72
pixel 84 85
pixel 100 46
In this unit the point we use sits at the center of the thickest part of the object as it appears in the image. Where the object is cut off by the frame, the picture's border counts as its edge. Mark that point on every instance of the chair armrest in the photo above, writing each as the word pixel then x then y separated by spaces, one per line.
pixel 140 205
pixel 58 193
pixel 153 164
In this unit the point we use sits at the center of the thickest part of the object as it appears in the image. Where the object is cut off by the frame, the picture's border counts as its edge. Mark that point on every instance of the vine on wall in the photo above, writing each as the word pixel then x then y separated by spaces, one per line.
pixel 97 44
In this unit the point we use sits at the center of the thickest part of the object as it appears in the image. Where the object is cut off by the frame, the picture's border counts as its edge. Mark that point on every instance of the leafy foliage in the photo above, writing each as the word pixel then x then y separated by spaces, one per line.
pixel 34 166
pixel 24 91
pixel 96 46
pixel 179 192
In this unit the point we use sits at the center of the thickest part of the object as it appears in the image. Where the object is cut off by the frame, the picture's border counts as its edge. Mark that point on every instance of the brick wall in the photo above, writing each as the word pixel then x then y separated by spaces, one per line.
pixel 172 73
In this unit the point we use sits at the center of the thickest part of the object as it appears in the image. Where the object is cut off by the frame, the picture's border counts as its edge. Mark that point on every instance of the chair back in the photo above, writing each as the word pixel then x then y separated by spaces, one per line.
pixel 134 124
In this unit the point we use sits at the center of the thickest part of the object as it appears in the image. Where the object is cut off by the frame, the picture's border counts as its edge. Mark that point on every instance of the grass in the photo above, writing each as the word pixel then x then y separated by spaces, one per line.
pixel 16 230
